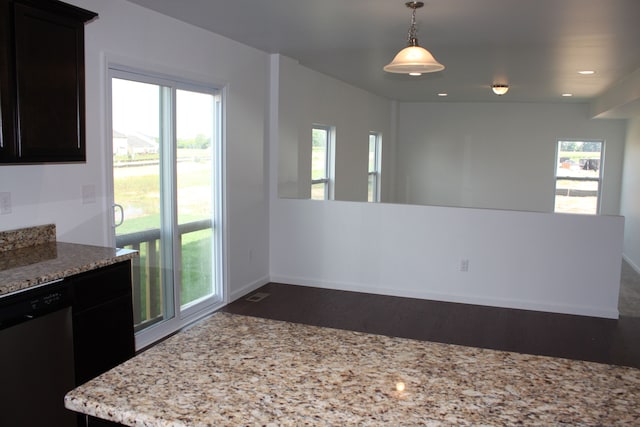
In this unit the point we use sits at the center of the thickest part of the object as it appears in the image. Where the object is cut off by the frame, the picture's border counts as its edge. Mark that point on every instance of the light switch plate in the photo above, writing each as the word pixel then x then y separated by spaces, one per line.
pixel 88 194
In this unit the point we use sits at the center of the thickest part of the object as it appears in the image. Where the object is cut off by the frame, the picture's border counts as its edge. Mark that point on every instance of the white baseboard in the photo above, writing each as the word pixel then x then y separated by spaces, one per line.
pixel 631 263
pixel 463 299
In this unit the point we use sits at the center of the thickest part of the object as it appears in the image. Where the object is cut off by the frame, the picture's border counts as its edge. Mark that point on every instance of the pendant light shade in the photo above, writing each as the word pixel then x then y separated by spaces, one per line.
pixel 413 59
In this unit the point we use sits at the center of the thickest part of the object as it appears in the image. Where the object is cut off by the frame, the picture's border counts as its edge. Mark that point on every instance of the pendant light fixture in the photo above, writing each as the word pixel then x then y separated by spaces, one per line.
pixel 413 59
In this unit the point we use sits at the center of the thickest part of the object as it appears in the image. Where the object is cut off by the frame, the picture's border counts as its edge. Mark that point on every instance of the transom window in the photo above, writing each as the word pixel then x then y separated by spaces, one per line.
pixel 578 176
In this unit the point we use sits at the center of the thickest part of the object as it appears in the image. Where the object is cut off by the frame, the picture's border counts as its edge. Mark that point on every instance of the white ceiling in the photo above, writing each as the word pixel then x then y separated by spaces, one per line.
pixel 536 46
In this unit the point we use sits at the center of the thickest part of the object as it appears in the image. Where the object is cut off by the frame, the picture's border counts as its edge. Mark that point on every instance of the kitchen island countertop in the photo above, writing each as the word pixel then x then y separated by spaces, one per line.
pixel 237 370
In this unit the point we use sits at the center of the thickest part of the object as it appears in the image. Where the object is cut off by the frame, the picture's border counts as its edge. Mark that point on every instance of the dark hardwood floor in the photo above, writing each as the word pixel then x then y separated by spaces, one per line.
pixel 559 335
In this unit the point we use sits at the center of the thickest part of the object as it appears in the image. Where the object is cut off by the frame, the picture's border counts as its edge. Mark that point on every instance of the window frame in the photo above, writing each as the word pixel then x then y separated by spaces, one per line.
pixel 328 179
pixel 178 315
pixel 374 174
pixel 599 179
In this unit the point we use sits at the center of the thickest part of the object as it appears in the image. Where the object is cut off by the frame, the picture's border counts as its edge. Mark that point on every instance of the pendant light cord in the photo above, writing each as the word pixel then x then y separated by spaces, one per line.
pixel 412 39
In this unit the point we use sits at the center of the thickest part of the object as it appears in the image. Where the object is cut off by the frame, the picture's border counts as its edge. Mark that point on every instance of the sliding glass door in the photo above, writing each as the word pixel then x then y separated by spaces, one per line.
pixel 167 186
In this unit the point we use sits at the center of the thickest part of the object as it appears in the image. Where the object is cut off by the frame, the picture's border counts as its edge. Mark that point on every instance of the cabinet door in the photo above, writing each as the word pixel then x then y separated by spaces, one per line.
pixel 103 338
pixel 49 64
pixel 96 422
pixel 7 85
pixel 103 334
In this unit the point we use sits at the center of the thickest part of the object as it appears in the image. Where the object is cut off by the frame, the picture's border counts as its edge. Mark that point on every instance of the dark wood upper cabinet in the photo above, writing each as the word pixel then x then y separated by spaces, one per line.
pixel 42 88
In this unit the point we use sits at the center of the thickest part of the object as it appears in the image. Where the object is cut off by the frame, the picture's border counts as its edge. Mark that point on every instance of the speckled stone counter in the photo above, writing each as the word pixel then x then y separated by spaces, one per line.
pixel 28 236
pixel 31 257
pixel 237 370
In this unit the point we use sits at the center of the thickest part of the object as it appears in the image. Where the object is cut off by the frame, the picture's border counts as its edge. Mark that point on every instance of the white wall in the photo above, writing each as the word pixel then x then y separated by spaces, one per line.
pixel 630 205
pixel 496 155
pixel 137 36
pixel 539 261
pixel 306 97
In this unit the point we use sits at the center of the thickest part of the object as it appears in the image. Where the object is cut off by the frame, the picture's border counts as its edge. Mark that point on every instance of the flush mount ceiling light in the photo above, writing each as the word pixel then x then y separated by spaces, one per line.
pixel 413 59
pixel 500 89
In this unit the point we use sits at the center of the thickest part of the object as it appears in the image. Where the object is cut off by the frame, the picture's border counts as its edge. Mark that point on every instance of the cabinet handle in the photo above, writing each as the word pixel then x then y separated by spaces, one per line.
pixel 118 207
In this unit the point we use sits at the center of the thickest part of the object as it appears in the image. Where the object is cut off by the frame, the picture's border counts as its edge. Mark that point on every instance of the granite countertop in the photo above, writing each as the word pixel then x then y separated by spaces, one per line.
pixel 237 370
pixel 30 257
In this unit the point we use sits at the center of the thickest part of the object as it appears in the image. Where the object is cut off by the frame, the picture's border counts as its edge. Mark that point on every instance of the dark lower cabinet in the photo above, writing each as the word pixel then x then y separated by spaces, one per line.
pixel 103 338
pixel 96 422
pixel 102 320
pixel 103 333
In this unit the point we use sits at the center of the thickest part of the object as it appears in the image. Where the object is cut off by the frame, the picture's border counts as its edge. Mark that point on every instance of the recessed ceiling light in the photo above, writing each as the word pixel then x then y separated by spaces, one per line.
pixel 500 89
pixel 567 94
pixel 443 94
pixel 586 72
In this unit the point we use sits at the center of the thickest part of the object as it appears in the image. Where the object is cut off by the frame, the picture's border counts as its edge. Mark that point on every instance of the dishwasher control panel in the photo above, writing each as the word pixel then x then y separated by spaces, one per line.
pixel 29 304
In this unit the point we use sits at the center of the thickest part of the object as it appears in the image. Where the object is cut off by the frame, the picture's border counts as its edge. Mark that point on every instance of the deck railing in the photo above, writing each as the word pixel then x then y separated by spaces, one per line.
pixel 148 299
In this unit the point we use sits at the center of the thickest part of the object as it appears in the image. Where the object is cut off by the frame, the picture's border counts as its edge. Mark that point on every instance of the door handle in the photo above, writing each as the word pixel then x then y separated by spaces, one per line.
pixel 121 209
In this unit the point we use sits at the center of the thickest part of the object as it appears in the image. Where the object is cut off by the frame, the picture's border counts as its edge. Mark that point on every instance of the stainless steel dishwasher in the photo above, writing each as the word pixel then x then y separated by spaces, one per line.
pixel 36 357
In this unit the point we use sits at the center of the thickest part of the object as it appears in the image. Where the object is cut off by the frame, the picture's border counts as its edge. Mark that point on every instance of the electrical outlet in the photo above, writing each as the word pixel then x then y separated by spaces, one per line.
pixel 464 265
pixel 5 203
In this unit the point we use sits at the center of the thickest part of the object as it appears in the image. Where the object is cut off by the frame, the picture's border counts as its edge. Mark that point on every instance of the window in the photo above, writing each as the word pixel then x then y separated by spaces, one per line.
pixel 578 176
pixel 375 149
pixel 321 162
pixel 166 186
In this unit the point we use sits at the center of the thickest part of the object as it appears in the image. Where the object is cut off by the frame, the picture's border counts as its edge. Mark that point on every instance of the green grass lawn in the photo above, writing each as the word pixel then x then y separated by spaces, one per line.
pixel 577 155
